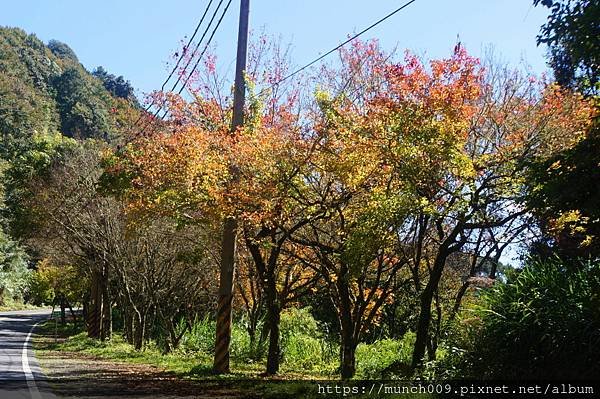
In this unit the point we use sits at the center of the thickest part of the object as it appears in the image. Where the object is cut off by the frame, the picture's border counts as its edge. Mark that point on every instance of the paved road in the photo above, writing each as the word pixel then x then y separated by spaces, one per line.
pixel 20 375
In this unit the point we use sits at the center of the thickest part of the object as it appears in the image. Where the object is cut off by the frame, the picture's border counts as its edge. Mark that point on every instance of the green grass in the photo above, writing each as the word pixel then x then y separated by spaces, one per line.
pixel 13 306
pixel 118 350
pixel 246 376
pixel 192 366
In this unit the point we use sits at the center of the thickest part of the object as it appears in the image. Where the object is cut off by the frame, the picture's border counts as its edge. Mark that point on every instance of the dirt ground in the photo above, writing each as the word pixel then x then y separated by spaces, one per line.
pixel 78 375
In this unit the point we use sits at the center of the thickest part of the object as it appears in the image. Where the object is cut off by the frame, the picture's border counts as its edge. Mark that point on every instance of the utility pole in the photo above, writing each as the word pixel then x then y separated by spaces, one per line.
pixel 223 335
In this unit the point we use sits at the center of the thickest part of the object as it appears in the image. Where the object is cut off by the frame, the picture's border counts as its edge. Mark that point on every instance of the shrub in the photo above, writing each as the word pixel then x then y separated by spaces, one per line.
pixel 372 360
pixel 200 338
pixel 303 345
pixel 544 323
pixel 296 321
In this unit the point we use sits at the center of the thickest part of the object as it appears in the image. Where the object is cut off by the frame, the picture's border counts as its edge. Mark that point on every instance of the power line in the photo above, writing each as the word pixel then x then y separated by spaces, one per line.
pixel 183 53
pixel 202 38
pixel 297 71
pixel 189 76
pixel 187 45
pixel 210 23
pixel 205 47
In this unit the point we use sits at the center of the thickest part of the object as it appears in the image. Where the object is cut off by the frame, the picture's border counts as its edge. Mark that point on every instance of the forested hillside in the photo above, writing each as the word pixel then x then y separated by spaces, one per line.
pixel 47 99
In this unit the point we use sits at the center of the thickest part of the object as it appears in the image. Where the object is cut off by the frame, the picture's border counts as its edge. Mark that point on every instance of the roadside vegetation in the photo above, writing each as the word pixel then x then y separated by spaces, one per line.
pixel 374 201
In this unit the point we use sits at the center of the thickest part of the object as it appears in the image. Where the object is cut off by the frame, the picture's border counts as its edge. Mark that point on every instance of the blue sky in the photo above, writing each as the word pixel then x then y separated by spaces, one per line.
pixel 136 38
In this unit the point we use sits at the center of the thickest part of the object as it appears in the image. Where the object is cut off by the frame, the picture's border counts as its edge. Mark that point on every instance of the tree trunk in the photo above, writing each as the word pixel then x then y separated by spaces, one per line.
pixel 253 316
pixel 94 314
pixel 85 306
pixel 63 313
pixel 106 331
pixel 252 335
pixel 72 312
pixel 422 333
pixel 348 341
pixel 139 331
pixel 128 321
pixel 422 328
pixel 273 318
pixel 348 357
pixel 459 296
pixel 267 273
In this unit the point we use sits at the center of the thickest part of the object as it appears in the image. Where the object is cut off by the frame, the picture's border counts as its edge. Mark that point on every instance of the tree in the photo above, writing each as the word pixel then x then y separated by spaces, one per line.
pixel 14 273
pixel 562 188
pixel 564 191
pixel 117 86
pixel 82 114
pixel 449 143
pixel 534 122
pixel 390 137
pixel 30 159
pixel 153 271
pixel 573 36
pixel 62 50
pixel 184 171
pixel 57 284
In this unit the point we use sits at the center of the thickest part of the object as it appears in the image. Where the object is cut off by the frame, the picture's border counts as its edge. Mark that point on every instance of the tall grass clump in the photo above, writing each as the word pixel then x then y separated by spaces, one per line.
pixel 543 323
pixel 303 344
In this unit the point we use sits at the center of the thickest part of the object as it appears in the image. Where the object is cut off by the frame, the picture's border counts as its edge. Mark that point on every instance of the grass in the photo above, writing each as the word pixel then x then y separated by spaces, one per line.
pixel 117 349
pixel 196 366
pixel 11 306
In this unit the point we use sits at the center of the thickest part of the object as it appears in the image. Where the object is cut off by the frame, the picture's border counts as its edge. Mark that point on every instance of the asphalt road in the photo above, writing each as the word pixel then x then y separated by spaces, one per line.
pixel 20 374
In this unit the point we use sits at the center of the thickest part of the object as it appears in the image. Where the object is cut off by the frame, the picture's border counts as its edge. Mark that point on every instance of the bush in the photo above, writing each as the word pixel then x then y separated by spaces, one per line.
pixel 40 290
pixel 200 338
pixel 544 323
pixel 240 343
pixel 303 345
pixel 372 360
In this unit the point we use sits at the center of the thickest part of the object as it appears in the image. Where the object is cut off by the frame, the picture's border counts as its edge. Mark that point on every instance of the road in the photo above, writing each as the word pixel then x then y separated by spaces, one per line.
pixel 20 375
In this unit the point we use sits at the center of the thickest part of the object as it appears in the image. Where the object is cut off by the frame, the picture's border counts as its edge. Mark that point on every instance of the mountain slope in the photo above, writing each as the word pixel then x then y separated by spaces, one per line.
pixel 48 101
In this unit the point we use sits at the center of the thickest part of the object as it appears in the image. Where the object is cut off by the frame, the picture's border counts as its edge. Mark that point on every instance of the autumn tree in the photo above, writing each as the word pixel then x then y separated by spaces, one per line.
pixel 154 271
pixel 514 119
pixel 452 141
pixel 184 170
pixel 564 187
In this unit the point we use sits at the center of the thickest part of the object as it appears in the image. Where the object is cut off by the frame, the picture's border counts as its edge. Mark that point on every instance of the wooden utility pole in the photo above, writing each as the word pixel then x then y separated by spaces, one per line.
pixel 223 335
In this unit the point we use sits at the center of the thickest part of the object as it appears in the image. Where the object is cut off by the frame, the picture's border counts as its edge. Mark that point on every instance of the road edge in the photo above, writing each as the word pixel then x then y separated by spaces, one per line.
pixel 33 390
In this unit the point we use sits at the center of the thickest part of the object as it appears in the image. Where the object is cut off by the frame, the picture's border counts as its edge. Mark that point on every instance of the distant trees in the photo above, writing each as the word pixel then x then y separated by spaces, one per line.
pixel 62 285
pixel 62 50
pixel 42 97
pixel 116 85
pixel 155 272
pixel 14 273
pixel 82 109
